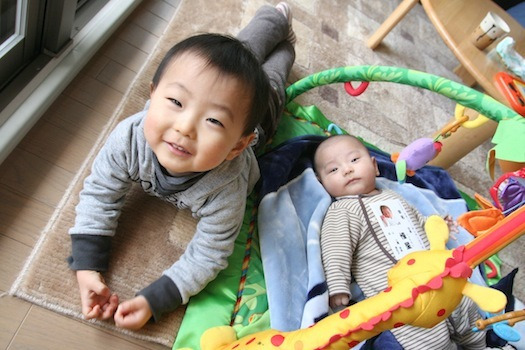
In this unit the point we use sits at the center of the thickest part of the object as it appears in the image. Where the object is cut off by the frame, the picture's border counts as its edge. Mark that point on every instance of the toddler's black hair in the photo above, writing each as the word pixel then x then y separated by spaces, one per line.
pixel 230 57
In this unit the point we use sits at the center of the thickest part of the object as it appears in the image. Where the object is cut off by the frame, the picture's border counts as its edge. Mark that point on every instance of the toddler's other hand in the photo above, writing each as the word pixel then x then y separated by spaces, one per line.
pixel 95 296
pixel 133 314
pixel 338 300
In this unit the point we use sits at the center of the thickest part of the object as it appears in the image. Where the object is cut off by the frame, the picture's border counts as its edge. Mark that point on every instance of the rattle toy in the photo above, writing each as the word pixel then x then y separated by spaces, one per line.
pixel 502 325
pixel 414 156
pixel 421 151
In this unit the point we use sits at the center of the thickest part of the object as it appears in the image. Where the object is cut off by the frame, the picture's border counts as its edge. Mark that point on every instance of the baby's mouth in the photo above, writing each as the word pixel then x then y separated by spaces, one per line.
pixel 352 181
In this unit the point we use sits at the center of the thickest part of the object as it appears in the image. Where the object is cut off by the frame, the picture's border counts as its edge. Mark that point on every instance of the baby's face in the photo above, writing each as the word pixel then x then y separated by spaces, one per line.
pixel 345 167
pixel 196 117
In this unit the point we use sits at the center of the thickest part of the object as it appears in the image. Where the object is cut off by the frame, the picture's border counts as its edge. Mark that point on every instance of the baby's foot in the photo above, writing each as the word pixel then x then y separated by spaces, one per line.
pixel 285 9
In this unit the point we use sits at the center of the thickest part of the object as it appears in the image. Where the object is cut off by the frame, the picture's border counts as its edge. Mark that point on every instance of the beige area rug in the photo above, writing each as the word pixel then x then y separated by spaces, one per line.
pixel 329 34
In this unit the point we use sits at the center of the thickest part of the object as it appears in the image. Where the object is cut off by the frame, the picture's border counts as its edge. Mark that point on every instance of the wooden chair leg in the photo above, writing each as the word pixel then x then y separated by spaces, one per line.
pixel 464 75
pixel 392 20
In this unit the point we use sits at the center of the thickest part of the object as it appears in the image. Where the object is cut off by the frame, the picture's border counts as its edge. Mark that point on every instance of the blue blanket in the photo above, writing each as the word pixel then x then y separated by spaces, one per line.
pixel 289 225
pixel 291 210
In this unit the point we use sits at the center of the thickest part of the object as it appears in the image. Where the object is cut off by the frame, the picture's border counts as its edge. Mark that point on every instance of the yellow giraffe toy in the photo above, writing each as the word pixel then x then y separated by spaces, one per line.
pixel 423 289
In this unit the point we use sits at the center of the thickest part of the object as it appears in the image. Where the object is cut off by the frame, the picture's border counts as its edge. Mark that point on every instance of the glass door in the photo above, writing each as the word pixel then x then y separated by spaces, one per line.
pixel 8 25
pixel 20 22
pixel 32 32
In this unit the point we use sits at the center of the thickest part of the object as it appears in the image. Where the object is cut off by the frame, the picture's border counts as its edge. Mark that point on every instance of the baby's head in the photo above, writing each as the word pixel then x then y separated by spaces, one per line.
pixel 207 96
pixel 344 166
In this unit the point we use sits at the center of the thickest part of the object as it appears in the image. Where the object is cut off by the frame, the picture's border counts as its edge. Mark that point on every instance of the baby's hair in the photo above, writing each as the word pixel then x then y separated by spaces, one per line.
pixel 232 58
pixel 329 138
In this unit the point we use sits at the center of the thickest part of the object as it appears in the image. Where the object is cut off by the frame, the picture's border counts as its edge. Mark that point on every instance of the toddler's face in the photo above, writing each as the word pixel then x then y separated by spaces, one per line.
pixel 345 167
pixel 196 117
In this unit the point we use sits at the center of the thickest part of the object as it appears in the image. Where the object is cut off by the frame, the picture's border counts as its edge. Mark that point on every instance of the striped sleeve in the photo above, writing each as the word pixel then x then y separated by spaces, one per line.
pixel 339 239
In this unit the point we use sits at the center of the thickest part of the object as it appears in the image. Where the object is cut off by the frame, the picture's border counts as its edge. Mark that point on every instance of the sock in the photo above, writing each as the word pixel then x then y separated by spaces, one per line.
pixel 285 9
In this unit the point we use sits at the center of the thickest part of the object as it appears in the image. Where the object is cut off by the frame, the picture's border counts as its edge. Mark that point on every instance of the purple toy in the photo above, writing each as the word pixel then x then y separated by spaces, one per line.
pixel 414 156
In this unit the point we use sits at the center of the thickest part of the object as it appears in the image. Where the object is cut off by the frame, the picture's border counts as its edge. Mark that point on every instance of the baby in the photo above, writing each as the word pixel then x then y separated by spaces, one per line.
pixel 356 243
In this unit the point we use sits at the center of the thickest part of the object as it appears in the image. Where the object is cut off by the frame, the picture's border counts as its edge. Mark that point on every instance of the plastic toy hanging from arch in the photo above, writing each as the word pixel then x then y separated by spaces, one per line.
pixel 421 151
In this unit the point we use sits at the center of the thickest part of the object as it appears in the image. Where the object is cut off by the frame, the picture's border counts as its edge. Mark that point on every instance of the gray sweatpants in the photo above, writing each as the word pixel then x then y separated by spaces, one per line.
pixel 265 36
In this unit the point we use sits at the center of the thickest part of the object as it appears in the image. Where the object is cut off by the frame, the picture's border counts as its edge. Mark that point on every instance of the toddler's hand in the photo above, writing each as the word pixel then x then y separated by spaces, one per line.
pixel 340 299
pixel 96 298
pixel 133 314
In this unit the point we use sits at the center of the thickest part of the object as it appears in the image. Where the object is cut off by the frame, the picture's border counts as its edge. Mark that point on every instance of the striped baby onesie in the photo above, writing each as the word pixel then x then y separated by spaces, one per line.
pixel 353 244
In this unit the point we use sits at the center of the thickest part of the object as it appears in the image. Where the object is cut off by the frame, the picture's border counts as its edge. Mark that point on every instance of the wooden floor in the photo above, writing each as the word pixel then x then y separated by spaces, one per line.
pixel 36 174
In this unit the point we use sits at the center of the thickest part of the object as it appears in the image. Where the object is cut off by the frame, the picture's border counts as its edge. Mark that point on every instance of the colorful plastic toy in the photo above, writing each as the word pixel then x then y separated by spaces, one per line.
pixel 513 89
pixel 502 325
pixel 415 156
pixel 418 153
pixel 508 192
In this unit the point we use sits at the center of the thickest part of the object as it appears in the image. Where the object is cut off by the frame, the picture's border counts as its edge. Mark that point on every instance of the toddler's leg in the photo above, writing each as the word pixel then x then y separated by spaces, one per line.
pixel 267 28
pixel 277 66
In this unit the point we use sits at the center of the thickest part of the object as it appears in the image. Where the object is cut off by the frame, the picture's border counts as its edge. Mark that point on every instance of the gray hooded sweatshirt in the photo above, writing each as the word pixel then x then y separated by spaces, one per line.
pixel 217 198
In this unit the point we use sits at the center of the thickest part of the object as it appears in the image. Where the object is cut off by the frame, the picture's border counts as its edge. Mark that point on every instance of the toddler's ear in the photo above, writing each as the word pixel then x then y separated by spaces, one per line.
pixel 151 88
pixel 240 146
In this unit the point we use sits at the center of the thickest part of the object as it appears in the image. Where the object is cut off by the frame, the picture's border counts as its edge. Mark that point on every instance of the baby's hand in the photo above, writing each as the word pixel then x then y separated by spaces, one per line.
pixel 96 298
pixel 338 300
pixel 452 227
pixel 133 314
